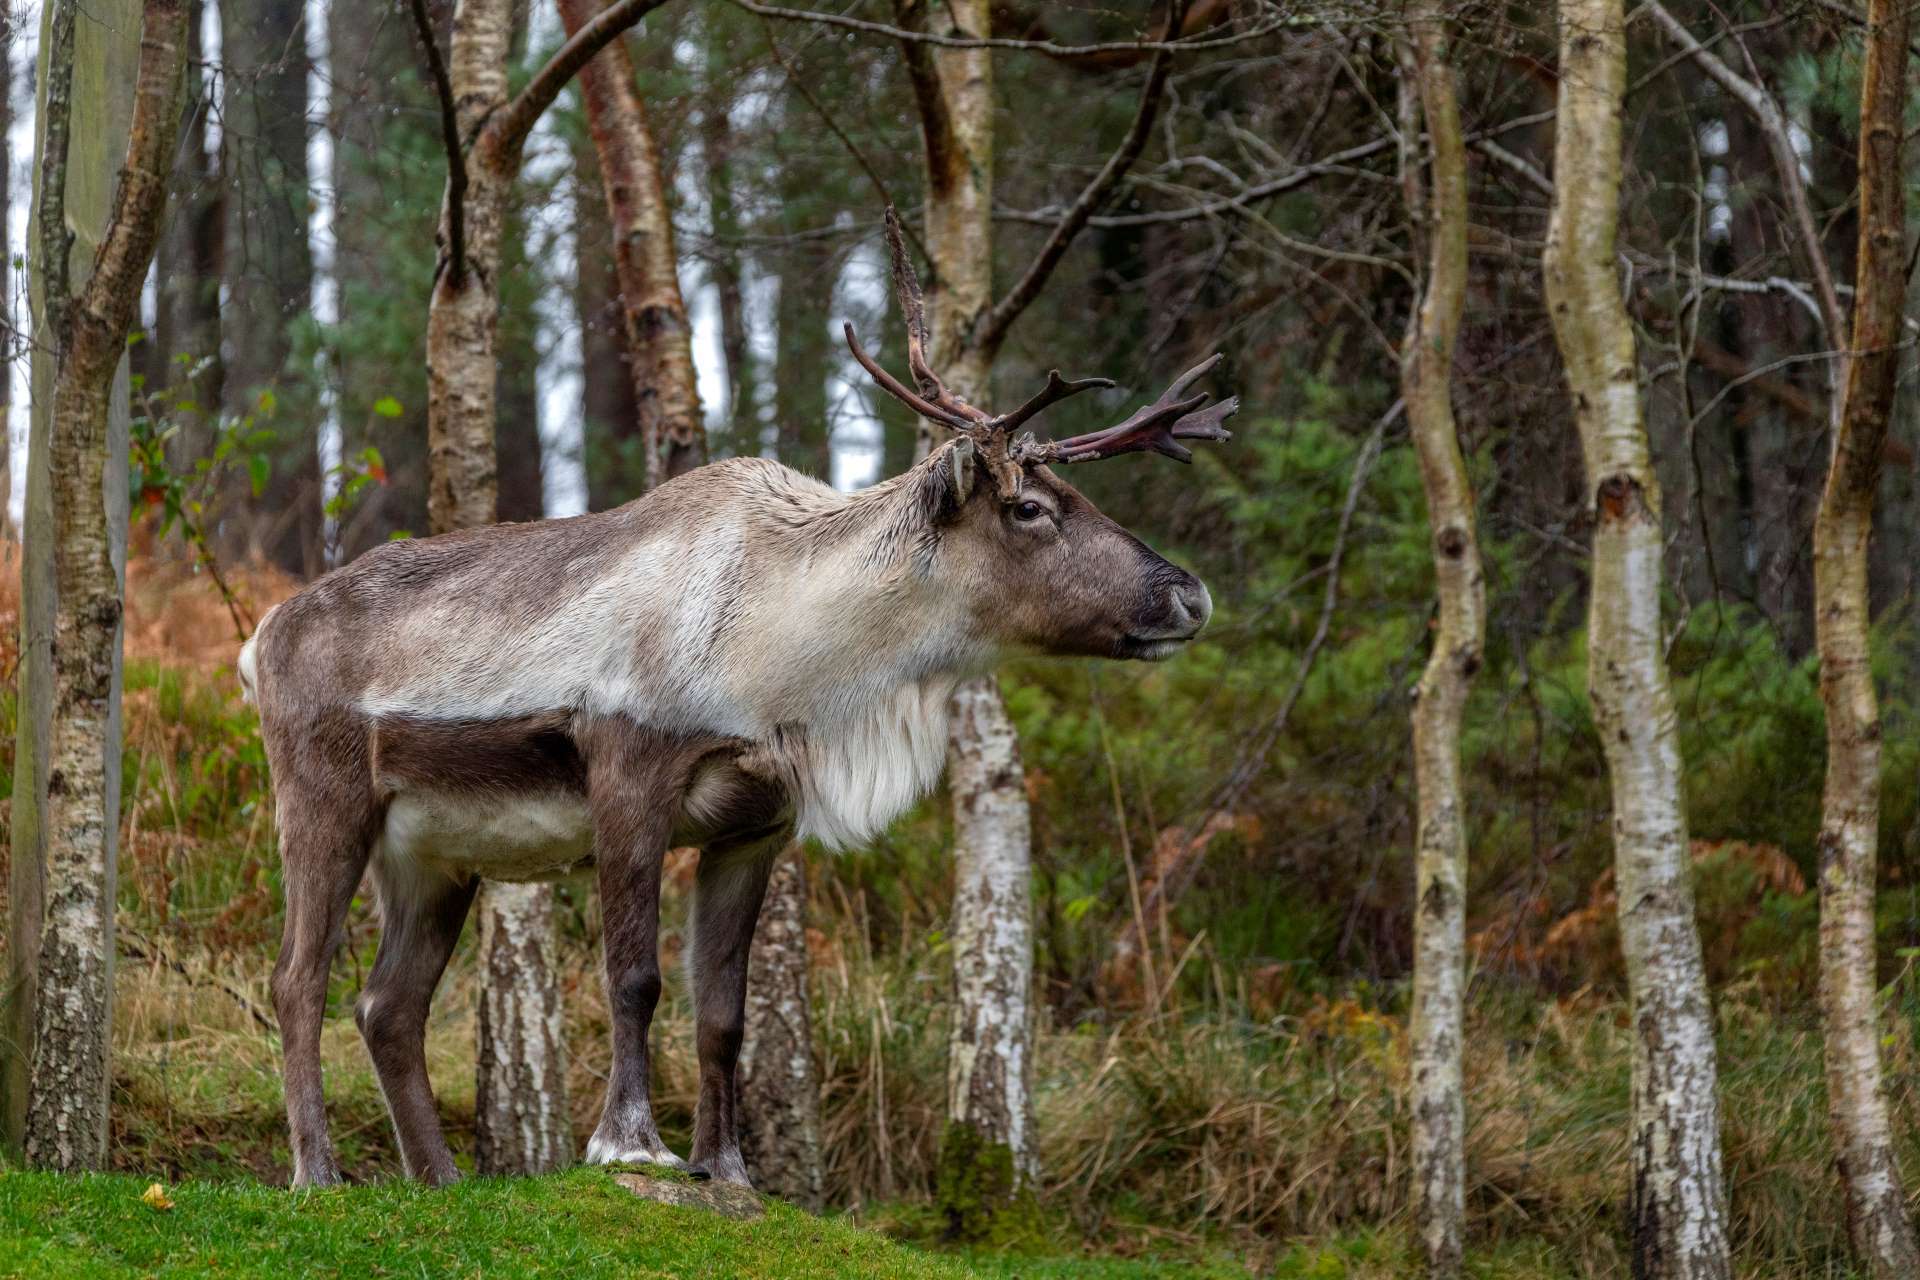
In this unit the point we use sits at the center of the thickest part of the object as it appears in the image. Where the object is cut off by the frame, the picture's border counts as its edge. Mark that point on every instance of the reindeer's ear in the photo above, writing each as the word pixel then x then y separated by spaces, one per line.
pixel 947 481
pixel 963 469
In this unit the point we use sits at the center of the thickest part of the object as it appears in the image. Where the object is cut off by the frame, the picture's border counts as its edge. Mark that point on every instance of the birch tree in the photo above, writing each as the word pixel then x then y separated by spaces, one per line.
pixel 522 1123
pixel 1439 918
pixel 1877 1219
pixel 987 1152
pixel 779 1080
pixel 97 86
pixel 1677 1213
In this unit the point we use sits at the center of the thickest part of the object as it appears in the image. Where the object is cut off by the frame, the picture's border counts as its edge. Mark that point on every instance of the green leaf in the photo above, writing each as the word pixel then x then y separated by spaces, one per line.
pixel 387 407
pixel 258 469
pixel 268 402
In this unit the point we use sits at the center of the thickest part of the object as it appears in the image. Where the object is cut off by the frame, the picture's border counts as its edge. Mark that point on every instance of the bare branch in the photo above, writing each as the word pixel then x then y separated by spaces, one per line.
pixel 508 131
pixel 450 138
pixel 1277 21
pixel 1786 161
pixel 993 329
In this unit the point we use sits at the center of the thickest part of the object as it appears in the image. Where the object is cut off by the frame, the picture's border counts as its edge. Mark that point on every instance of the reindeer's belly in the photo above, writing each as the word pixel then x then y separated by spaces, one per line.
pixel 499 835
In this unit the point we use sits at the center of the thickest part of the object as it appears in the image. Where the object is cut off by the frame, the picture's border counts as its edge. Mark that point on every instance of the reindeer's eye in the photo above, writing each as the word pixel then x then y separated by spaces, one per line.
pixel 1029 511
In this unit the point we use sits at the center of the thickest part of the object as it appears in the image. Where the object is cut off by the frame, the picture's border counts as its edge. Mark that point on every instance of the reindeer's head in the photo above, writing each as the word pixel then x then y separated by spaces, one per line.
pixel 1044 569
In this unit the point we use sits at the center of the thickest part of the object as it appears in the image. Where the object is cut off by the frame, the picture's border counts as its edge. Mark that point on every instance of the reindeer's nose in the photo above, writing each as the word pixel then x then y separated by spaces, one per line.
pixel 1192 603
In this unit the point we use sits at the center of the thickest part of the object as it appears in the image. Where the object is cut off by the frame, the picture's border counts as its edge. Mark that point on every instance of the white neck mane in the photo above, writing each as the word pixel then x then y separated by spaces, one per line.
pixel 852 777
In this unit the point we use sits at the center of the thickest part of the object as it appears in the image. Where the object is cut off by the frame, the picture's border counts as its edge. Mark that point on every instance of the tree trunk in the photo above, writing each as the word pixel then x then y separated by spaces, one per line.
pixel 1439 918
pixel 521 1122
pixel 268 265
pixel 716 146
pixel 616 468
pixel 521 1119
pixel 1877 1219
pixel 97 86
pixel 779 1082
pixel 187 266
pixel 987 1152
pixel 987 1156
pixel 659 339
pixel 1677 1208
pixel 373 91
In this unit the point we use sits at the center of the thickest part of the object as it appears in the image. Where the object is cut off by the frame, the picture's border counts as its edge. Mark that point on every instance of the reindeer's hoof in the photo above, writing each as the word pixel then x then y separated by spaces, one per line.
pixel 316 1178
pixel 638 1151
pixel 727 1167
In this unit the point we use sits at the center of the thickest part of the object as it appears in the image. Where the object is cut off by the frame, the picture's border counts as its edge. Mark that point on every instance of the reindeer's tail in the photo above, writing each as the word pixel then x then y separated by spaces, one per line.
pixel 249 664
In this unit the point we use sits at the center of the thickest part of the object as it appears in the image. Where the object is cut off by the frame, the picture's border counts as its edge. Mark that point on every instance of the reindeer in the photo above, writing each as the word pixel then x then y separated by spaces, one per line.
pixel 737 657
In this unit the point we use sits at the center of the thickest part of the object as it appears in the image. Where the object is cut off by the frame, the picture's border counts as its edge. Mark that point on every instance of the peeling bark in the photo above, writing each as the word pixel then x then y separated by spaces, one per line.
pixel 521 1122
pixel 989 1085
pixel 659 338
pixel 1439 918
pixel 1878 1223
pixel 1677 1211
pixel 779 1083
pixel 66 817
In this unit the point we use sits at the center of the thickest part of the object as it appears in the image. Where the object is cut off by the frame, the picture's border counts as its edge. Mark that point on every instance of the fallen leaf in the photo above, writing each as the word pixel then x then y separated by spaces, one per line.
pixel 156 1197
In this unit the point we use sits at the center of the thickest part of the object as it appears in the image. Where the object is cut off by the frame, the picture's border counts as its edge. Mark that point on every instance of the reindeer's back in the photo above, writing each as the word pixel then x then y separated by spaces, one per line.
pixel 620 606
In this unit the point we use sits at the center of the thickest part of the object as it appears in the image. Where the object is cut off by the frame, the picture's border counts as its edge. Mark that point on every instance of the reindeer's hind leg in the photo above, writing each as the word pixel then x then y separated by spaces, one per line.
pixel 421 913
pixel 732 883
pixel 326 834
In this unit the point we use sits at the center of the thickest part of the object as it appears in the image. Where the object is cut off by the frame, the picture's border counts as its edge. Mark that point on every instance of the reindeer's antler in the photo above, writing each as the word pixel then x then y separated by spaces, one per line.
pixel 1155 429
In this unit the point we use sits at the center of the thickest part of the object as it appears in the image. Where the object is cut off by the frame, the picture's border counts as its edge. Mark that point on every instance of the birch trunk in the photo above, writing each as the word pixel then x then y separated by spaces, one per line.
pixel 659 339
pixel 1677 1208
pixel 779 1083
pixel 521 1121
pixel 1877 1219
pixel 987 1156
pixel 1439 918
pixel 66 811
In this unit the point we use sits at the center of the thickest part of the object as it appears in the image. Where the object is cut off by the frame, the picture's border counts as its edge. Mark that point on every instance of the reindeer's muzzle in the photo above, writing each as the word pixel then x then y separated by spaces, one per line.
pixel 1178 609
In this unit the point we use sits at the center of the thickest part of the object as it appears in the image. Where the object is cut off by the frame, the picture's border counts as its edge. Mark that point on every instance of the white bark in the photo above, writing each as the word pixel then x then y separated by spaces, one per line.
pixel 1439 918
pixel 521 1123
pixel 1677 1210
pixel 107 123
pixel 779 1084
pixel 989 1086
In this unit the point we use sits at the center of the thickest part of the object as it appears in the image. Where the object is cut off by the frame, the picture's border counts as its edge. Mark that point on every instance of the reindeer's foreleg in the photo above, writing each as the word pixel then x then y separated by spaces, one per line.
pixel 732 882
pixel 633 813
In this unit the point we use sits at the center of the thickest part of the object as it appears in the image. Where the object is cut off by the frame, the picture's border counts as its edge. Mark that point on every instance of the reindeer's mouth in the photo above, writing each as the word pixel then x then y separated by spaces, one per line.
pixel 1153 648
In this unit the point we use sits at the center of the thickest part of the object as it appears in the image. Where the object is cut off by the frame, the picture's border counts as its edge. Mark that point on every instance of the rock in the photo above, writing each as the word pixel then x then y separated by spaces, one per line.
pixel 723 1198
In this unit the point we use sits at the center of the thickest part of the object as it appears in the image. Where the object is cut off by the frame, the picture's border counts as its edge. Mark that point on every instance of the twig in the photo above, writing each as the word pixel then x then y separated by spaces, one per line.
pixel 450 137
pixel 994 327
pixel 799 83
pixel 1049 47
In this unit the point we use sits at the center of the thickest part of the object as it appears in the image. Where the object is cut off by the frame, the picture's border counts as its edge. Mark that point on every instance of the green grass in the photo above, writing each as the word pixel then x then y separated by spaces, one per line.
pixel 577 1224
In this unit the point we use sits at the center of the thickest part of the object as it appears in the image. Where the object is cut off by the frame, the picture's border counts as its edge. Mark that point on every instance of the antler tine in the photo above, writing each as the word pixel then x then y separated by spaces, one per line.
pixel 1056 390
pixel 906 286
pixel 892 386
pixel 1155 428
